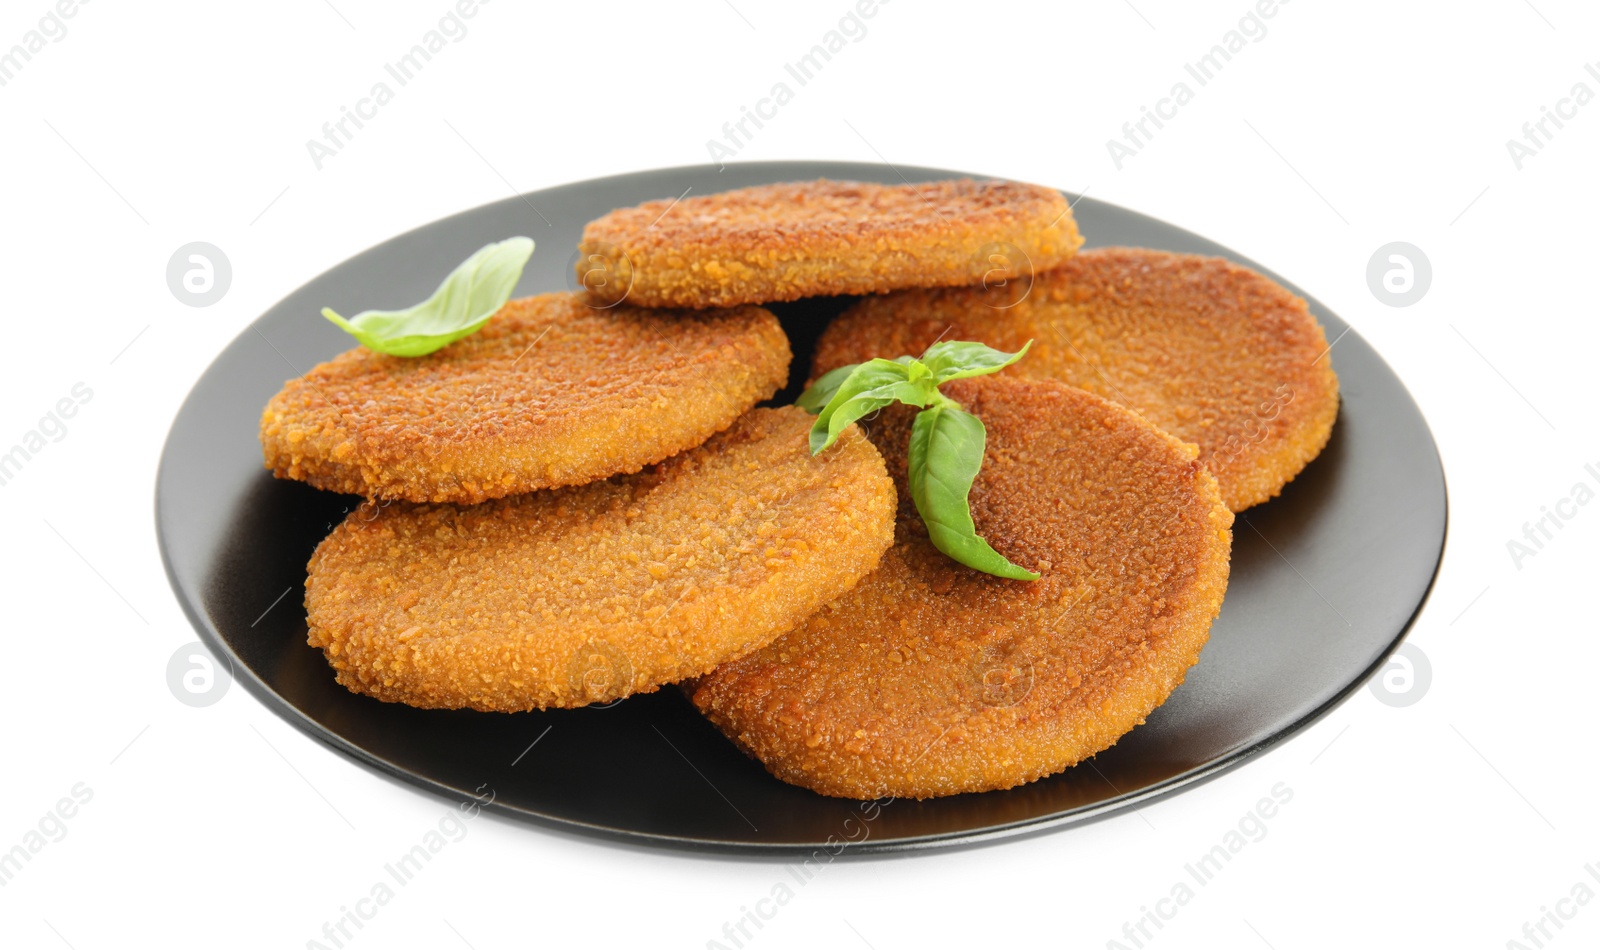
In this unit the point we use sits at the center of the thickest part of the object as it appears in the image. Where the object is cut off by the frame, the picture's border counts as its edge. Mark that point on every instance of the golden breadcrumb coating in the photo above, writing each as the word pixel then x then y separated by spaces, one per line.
pixel 1212 352
pixel 551 392
pixel 804 239
pixel 588 594
pixel 930 678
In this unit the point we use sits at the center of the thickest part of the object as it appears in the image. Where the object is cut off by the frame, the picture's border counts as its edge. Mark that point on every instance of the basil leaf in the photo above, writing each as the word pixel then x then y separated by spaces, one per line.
pixel 867 388
pixel 955 359
pixel 945 454
pixel 819 393
pixel 947 442
pixel 461 306
pixel 911 394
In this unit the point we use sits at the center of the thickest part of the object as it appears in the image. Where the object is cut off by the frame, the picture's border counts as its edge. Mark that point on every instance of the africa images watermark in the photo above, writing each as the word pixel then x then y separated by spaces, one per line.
pixel 1260 428
pixel 1542 930
pixel 337 133
pixel 1537 133
pixel 854 830
pixel 1404 679
pixel 400 872
pixel 52 427
pixel 52 28
pixel 852 28
pixel 1137 134
pixel 50 829
pixel 1552 519
pixel 1250 829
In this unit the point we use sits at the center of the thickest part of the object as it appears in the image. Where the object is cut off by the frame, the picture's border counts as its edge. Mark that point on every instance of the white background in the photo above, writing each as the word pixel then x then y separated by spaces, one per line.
pixel 1446 823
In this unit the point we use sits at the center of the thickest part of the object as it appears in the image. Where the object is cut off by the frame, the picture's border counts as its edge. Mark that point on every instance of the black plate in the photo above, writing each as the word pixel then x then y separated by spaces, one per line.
pixel 1325 580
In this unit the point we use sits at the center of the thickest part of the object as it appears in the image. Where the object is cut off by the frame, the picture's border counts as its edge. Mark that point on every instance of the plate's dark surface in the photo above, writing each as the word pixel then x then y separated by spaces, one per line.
pixel 1325 578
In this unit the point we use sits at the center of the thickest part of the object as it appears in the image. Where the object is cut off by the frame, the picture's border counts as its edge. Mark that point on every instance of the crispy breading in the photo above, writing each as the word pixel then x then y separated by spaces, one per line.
pixel 587 594
pixel 930 678
pixel 551 392
pixel 1212 352
pixel 804 239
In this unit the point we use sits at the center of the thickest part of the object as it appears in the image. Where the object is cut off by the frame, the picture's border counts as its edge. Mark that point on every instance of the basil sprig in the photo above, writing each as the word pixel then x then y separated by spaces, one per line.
pixel 947 442
pixel 460 307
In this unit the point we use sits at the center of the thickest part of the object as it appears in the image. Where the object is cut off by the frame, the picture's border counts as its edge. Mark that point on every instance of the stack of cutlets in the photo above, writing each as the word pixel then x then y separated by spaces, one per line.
pixel 580 502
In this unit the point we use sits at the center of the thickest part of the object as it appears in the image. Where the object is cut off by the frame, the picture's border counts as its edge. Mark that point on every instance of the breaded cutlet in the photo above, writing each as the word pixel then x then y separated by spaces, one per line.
pixel 804 239
pixel 931 678
pixel 1210 351
pixel 550 392
pixel 588 594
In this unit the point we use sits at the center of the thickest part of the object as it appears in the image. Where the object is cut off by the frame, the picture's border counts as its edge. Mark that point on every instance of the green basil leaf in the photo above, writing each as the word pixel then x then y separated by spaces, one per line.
pixel 867 388
pixel 947 442
pixel 945 454
pixel 461 306
pixel 956 359
pixel 819 393
pixel 911 394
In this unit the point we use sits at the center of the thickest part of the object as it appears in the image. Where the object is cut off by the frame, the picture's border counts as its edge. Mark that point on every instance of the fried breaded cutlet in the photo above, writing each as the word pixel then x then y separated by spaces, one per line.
pixel 587 594
pixel 1212 352
pixel 931 678
pixel 551 392
pixel 804 239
